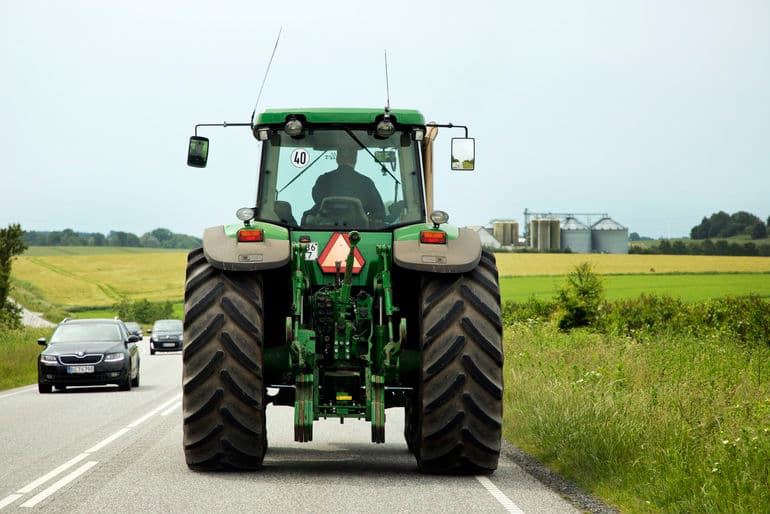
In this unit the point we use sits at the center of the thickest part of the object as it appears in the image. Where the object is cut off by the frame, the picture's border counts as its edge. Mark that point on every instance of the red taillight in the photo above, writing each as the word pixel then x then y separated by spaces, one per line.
pixel 435 237
pixel 251 235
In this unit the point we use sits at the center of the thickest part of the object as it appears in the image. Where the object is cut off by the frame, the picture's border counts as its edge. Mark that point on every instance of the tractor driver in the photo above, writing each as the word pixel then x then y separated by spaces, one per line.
pixel 346 181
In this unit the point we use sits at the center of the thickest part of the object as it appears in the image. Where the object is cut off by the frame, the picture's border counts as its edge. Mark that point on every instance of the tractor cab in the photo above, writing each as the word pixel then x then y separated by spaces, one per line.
pixel 340 170
pixel 343 168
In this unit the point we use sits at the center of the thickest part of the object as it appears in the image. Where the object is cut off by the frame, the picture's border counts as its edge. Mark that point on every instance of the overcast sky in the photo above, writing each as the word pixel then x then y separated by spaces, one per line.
pixel 655 112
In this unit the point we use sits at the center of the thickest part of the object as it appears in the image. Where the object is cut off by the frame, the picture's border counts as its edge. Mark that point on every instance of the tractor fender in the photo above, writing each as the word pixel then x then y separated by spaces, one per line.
pixel 456 256
pixel 224 252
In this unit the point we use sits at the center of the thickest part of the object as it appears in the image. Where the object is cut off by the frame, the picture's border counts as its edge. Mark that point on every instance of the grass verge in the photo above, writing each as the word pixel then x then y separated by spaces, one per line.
pixel 673 423
pixel 18 367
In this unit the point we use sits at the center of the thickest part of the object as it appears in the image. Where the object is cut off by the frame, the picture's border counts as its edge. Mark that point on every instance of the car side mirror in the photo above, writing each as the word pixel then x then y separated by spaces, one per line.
pixel 42 341
pixel 463 154
pixel 134 339
pixel 198 152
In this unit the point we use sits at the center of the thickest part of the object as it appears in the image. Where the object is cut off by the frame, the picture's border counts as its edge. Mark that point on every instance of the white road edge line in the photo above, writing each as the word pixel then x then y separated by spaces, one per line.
pixel 45 493
pixel 154 411
pixel 9 500
pixel 25 390
pixel 48 476
pixel 506 502
pixel 171 409
pixel 105 442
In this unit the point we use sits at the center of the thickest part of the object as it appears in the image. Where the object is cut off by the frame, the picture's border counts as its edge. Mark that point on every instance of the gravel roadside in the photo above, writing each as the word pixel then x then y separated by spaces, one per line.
pixel 33 319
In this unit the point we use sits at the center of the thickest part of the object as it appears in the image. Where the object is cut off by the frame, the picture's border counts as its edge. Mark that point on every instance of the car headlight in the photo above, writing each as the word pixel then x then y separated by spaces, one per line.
pixel 114 357
pixel 48 359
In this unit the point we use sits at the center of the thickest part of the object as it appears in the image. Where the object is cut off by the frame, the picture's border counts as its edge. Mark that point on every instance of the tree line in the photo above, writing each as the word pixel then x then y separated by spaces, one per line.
pixel 158 238
pixel 706 247
pixel 721 224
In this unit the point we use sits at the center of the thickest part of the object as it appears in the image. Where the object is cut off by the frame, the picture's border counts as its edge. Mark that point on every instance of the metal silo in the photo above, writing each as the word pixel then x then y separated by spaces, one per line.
pixel 543 235
pixel 498 230
pixel 555 234
pixel 533 239
pixel 514 227
pixel 609 236
pixel 576 236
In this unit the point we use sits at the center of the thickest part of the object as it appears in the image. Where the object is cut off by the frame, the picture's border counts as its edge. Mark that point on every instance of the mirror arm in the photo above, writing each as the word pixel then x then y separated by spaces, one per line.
pixel 223 124
pixel 449 125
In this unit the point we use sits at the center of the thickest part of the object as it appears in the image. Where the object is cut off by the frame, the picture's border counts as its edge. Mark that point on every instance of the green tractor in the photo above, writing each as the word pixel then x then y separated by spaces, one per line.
pixel 342 302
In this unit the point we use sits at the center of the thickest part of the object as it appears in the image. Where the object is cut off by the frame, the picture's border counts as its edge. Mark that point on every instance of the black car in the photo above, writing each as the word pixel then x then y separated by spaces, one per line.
pixel 89 352
pixel 134 328
pixel 166 336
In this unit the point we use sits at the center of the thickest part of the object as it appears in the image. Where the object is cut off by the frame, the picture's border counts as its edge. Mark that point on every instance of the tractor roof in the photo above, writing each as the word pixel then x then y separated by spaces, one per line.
pixel 340 115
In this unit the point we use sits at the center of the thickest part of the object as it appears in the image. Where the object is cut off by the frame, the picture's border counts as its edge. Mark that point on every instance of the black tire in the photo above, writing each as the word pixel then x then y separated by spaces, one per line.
pixel 43 388
pixel 223 393
pixel 460 398
pixel 410 425
pixel 125 385
pixel 152 350
pixel 135 381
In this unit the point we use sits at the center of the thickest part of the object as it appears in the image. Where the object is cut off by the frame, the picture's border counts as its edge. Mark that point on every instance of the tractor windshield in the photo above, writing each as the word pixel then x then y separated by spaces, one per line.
pixel 340 179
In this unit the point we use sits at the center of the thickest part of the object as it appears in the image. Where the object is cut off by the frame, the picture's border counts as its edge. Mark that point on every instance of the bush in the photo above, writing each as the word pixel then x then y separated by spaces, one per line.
pixel 143 310
pixel 10 316
pixel 532 309
pixel 648 314
pixel 580 298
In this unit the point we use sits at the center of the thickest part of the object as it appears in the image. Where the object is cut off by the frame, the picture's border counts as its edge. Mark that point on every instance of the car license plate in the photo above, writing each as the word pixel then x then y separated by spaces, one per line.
pixel 80 369
pixel 169 345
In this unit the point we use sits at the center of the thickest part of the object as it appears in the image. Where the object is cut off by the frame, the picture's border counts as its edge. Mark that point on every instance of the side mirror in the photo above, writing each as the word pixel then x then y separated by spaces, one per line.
pixel 42 342
pixel 198 152
pixel 463 154
pixel 134 339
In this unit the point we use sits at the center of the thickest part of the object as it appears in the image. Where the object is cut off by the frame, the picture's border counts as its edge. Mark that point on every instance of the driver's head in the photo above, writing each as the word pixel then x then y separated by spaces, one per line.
pixel 346 155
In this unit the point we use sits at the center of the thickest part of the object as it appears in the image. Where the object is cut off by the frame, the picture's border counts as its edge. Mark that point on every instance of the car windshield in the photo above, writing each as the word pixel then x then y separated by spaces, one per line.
pixel 168 325
pixel 132 326
pixel 81 332
pixel 340 178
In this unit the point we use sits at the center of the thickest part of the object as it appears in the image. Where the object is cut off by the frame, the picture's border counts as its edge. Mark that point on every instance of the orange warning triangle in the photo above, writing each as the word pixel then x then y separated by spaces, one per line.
pixel 337 249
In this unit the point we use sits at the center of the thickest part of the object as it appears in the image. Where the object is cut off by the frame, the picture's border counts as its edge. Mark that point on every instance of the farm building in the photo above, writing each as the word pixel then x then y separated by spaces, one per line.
pixel 487 239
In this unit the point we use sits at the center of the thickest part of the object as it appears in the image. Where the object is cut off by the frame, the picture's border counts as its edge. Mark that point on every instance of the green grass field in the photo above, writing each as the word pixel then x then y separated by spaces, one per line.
pixel 18 366
pixel 672 423
pixel 688 286
pixel 48 251
pixel 88 281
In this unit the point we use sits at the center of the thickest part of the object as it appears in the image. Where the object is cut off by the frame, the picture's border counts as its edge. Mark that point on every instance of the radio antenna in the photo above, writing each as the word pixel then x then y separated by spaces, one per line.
pixel 387 83
pixel 264 79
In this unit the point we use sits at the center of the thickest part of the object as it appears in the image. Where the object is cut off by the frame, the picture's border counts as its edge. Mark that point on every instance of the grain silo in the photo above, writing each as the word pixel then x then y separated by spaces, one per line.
pixel 498 230
pixel 609 236
pixel 533 239
pixel 507 232
pixel 513 228
pixel 544 235
pixel 576 236
pixel 555 243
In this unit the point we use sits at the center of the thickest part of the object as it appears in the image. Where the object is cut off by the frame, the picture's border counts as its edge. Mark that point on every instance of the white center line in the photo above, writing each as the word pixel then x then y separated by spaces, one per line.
pixel 9 500
pixel 45 493
pixel 48 476
pixel 171 409
pixel 99 446
pixel 506 502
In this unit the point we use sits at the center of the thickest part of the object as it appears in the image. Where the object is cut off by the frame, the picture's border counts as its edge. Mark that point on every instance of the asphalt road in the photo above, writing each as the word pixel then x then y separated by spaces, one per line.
pixel 103 450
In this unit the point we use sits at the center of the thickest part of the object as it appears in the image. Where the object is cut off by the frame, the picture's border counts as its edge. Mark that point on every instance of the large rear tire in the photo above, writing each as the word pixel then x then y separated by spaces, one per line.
pixel 460 398
pixel 223 386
